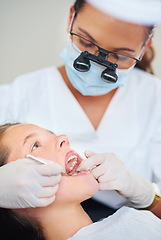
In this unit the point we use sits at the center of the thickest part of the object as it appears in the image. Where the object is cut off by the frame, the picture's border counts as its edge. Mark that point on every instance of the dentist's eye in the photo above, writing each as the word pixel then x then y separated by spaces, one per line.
pixel 35 146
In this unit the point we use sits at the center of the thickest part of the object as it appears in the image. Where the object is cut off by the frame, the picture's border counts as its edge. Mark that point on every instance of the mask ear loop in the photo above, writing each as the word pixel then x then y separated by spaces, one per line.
pixel 71 23
pixel 145 43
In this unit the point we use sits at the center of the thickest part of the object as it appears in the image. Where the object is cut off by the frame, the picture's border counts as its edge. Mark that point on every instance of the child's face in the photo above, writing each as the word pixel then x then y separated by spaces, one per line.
pixel 27 138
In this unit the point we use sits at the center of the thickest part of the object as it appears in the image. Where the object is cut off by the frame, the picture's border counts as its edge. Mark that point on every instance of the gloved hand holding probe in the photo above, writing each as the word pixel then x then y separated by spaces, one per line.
pixel 112 174
pixel 25 183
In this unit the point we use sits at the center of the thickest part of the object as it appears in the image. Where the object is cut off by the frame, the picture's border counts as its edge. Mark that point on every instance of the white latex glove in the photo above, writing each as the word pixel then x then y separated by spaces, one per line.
pixel 25 183
pixel 112 174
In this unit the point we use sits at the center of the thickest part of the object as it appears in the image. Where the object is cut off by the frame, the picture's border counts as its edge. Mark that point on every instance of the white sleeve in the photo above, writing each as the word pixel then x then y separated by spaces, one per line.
pixel 18 98
pixel 11 100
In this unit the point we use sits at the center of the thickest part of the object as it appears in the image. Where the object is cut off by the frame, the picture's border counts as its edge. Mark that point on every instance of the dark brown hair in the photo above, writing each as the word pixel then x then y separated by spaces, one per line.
pixel 146 62
pixel 12 225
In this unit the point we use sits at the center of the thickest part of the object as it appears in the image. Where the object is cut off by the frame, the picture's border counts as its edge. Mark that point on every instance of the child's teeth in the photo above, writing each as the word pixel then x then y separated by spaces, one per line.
pixel 72 157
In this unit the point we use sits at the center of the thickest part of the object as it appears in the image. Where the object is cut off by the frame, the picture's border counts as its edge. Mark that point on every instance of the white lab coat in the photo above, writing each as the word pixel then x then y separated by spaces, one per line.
pixel 125 224
pixel 130 127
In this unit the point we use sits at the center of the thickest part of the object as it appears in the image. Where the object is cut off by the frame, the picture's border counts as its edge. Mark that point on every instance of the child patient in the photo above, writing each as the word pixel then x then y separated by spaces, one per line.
pixel 64 218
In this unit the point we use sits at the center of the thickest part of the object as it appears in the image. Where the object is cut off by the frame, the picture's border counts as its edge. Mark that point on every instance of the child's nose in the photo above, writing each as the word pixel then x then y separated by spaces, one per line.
pixel 62 141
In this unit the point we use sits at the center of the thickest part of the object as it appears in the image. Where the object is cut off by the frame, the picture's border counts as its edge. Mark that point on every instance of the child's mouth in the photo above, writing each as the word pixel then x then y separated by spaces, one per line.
pixel 72 161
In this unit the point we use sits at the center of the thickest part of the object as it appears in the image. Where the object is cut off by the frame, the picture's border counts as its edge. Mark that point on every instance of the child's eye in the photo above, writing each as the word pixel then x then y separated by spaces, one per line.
pixel 35 146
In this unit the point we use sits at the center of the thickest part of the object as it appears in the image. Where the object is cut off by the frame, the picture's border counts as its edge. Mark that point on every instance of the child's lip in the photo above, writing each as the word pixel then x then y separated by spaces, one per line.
pixel 72 161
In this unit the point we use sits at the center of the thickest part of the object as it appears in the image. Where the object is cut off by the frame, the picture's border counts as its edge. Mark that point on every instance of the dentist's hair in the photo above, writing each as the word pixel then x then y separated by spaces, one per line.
pixel 146 62
pixel 13 225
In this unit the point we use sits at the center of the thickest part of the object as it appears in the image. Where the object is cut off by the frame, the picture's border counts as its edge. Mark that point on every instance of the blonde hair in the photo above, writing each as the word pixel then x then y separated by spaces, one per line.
pixel 4 151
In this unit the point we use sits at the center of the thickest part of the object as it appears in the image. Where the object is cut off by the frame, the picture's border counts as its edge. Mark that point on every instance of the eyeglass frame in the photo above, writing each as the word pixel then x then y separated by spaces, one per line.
pixel 99 48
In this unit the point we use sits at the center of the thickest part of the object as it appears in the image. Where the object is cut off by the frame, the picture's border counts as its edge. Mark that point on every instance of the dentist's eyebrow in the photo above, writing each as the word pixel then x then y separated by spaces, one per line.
pixel 93 40
pixel 125 49
pixel 28 137
pixel 87 34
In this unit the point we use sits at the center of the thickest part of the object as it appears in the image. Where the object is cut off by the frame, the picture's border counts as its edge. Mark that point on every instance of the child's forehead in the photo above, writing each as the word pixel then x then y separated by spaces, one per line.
pixel 21 130
pixel 18 135
pixel 22 127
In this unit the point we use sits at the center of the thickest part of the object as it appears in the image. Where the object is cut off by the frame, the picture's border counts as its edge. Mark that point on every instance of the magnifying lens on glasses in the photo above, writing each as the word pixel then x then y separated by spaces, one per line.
pixel 82 64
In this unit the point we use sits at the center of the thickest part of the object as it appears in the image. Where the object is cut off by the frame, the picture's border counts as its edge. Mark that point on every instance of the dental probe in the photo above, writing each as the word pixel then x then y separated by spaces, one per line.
pixel 35 158
pixel 42 162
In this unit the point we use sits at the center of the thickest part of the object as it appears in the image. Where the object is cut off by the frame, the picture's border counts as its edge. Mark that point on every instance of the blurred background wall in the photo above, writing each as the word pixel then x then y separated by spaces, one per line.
pixel 34 32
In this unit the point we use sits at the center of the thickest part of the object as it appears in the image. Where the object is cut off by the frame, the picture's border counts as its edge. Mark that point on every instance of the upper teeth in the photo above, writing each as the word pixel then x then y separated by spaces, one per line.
pixel 73 157
pixel 74 161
